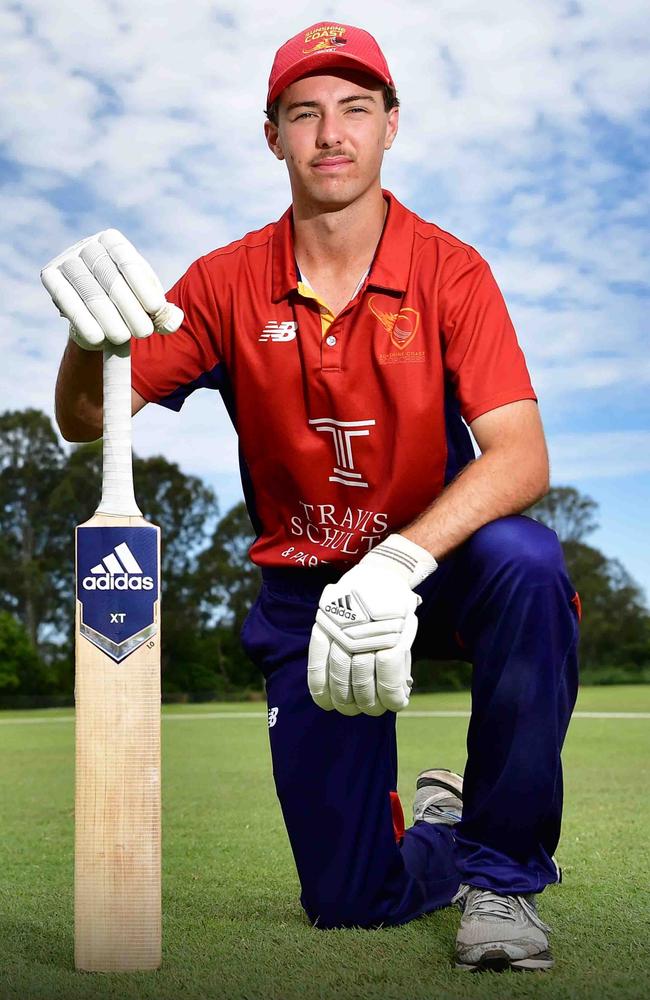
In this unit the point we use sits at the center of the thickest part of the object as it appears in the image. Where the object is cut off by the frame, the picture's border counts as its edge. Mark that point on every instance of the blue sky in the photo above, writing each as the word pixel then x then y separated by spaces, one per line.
pixel 525 130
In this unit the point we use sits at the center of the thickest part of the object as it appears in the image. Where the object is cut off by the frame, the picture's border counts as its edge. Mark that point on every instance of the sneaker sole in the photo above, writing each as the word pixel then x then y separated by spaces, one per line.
pixel 498 960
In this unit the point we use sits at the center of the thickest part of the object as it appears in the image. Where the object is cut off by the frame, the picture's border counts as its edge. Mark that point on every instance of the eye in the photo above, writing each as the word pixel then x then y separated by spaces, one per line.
pixel 364 110
pixel 303 114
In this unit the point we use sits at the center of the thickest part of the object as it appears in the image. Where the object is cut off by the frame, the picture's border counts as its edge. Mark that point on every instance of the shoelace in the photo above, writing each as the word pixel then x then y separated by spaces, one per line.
pixel 447 810
pixel 442 802
pixel 482 903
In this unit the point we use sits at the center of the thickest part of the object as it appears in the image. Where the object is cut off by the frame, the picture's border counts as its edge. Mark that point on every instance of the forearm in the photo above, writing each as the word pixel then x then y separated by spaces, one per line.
pixel 497 484
pixel 79 394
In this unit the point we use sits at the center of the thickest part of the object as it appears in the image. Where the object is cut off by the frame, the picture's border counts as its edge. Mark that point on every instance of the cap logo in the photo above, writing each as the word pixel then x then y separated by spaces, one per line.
pixel 327 38
pixel 401 326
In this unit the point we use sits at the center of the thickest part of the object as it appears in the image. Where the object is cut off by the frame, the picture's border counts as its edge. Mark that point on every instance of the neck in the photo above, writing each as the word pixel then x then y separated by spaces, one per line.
pixel 337 240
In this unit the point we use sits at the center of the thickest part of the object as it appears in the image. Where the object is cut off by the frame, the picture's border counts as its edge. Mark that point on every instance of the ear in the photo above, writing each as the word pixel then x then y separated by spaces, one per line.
pixel 272 134
pixel 392 124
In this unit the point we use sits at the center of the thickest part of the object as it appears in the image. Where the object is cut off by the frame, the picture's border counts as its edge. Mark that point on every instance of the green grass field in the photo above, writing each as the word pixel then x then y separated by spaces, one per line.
pixel 233 926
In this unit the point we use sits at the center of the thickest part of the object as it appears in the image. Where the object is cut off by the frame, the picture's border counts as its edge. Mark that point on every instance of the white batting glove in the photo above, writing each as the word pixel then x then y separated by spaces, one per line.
pixel 360 648
pixel 108 292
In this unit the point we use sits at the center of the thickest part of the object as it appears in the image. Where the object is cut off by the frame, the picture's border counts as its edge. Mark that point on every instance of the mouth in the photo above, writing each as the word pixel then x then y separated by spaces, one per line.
pixel 332 163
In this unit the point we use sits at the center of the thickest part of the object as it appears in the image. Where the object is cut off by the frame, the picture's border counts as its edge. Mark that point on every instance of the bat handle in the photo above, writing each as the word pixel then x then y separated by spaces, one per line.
pixel 118 496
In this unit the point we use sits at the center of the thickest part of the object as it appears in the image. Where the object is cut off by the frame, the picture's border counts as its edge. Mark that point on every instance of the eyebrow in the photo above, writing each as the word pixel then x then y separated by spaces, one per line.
pixel 344 100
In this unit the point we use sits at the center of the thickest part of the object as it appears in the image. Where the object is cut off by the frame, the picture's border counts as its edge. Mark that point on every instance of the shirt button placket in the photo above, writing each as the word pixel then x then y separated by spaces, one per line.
pixel 331 349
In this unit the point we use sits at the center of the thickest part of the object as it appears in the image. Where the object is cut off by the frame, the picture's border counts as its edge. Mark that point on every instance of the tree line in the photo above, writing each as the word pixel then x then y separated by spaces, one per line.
pixel 209 582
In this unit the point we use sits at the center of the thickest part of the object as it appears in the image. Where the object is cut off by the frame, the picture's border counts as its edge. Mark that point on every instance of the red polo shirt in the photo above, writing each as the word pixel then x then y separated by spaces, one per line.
pixel 348 427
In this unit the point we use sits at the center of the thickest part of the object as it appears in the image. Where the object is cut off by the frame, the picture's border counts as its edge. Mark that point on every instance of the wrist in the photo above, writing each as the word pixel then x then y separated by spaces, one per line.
pixel 405 557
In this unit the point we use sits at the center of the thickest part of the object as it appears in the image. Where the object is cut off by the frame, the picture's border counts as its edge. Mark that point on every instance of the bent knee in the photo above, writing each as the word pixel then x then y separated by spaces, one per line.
pixel 519 542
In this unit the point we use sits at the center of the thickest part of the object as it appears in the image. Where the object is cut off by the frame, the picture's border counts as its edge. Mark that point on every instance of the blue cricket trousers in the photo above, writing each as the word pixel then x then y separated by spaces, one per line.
pixel 502 601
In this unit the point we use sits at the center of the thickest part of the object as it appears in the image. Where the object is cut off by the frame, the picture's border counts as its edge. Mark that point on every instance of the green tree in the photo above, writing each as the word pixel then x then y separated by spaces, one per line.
pixel 226 585
pixel 615 628
pixel 571 514
pixel 31 554
pixel 21 670
pixel 227 580
pixel 185 510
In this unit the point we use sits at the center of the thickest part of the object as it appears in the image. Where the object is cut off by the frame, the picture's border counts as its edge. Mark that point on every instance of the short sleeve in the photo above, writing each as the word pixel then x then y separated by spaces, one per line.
pixel 482 356
pixel 166 368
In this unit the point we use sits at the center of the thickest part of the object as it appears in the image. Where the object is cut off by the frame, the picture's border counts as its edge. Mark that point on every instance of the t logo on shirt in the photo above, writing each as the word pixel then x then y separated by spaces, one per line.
pixel 342 432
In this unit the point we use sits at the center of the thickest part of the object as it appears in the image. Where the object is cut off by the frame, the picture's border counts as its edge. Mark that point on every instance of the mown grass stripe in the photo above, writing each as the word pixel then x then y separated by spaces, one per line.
pixel 192 716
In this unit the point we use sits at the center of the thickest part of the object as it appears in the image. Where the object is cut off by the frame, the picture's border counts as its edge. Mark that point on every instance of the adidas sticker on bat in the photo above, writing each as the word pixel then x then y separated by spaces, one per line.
pixel 119 570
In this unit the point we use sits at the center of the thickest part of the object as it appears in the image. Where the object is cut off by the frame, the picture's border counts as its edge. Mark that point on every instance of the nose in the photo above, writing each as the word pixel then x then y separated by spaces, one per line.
pixel 329 131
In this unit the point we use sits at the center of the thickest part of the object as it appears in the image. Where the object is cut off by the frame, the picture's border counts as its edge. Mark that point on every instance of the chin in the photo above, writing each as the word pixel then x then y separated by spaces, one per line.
pixel 334 195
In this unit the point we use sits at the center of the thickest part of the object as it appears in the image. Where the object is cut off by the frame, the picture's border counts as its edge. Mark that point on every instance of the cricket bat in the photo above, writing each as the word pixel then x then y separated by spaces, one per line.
pixel 117 890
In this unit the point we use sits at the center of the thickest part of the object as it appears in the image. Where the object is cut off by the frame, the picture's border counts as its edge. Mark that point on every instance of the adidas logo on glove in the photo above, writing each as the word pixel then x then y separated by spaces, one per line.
pixel 343 608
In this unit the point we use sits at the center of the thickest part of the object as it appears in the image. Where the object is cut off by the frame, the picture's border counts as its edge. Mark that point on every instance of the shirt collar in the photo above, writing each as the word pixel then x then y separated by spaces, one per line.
pixel 390 267
pixel 304 280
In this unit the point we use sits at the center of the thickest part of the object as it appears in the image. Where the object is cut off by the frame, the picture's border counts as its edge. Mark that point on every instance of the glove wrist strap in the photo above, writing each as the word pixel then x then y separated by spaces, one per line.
pixel 410 560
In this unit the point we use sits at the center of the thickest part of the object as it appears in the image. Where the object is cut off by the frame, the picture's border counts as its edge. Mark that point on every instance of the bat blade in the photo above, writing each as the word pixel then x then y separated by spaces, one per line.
pixel 117 773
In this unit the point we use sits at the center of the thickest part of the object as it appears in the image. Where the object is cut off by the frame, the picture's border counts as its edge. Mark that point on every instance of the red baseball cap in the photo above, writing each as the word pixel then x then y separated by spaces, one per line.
pixel 324 45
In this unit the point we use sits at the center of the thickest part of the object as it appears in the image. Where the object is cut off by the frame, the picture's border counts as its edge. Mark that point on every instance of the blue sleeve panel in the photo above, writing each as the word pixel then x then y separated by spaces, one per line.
pixel 460 450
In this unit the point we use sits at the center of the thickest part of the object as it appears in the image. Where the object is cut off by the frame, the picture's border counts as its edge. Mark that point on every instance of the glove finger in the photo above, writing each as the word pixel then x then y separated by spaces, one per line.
pixel 392 691
pixel 83 343
pixel 168 319
pixel 104 269
pixel 96 300
pixel 340 678
pixel 351 709
pixel 317 679
pixel 363 684
pixel 143 281
pixel 393 669
pixel 71 305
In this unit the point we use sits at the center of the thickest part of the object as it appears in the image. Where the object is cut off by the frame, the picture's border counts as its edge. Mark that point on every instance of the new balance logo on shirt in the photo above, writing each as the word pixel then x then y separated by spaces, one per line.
pixel 279 331
pixel 119 570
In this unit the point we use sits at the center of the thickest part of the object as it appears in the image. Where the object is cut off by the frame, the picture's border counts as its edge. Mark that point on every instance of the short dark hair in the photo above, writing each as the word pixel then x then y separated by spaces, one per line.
pixel 391 100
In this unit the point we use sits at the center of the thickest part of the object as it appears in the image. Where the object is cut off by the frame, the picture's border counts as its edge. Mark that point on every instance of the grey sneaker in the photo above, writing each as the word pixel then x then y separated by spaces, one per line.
pixel 438 797
pixel 500 932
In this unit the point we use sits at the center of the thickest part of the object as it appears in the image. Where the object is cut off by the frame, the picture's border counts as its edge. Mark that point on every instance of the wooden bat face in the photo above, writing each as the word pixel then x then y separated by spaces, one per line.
pixel 117 783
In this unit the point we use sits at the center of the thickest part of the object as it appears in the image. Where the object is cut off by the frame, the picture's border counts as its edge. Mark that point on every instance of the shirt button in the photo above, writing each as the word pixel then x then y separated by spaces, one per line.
pixel 331 340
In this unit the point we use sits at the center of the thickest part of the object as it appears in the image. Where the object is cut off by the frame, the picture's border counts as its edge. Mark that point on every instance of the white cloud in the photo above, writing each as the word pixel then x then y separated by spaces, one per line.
pixel 201 438
pixel 575 457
